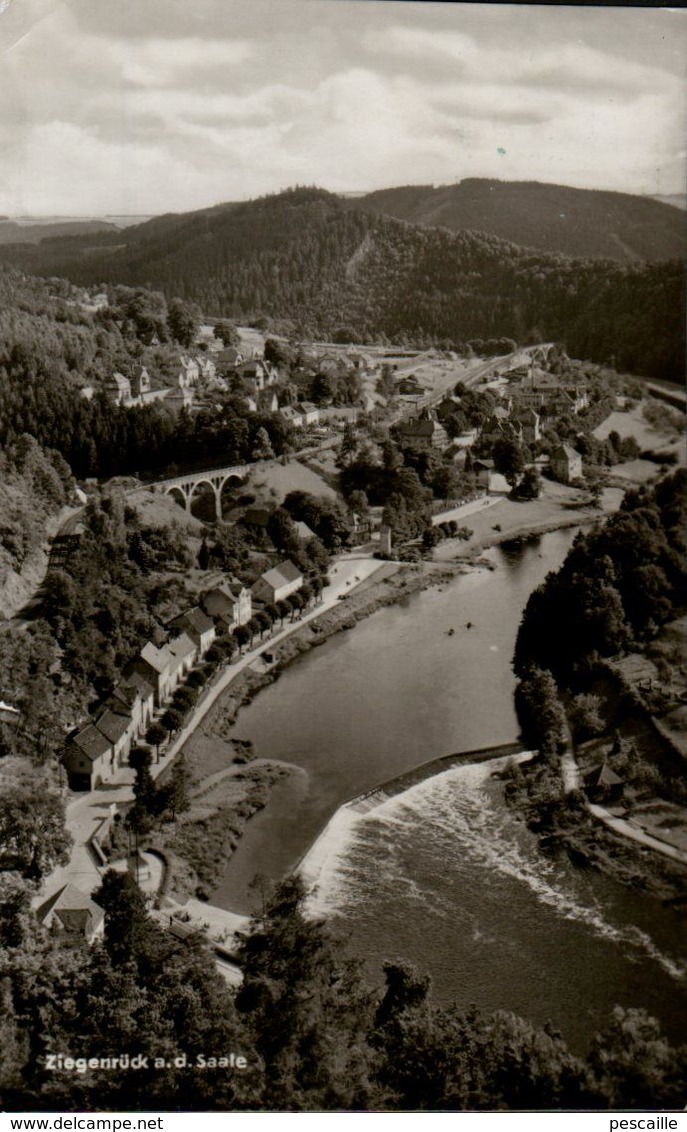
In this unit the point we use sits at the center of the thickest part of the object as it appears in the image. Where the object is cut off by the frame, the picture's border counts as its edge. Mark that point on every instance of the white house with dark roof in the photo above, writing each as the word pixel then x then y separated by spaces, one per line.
pixel 118 389
pixel 119 730
pixel 199 627
pixel 276 584
pixel 230 603
pixel 184 653
pixel 71 915
pixel 136 696
pixel 565 463
pixel 290 414
pixel 155 664
pixel 310 414
pixel 88 758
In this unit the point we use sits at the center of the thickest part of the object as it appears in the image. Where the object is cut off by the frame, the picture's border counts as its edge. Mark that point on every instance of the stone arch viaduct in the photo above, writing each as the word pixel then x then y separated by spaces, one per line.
pixel 183 488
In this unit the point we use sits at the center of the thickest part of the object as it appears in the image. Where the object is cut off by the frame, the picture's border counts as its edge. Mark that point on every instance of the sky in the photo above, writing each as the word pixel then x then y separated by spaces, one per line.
pixel 149 106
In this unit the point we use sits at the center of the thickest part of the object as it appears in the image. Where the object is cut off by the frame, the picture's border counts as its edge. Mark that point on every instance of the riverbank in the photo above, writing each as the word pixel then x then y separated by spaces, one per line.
pixel 507 520
pixel 221 767
pixel 210 749
pixel 538 795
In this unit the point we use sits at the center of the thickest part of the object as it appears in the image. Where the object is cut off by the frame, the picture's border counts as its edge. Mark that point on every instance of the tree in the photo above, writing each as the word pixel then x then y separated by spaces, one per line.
pixel 242 635
pixel 284 607
pixel 322 389
pixel 253 627
pixel 263 621
pixel 349 444
pixel 227 333
pixel 156 734
pixel 176 790
pixel 386 383
pixel 262 447
pixel 33 838
pixel 203 555
pixel 529 486
pixel 172 720
pixel 508 460
pixel 140 756
pixel 585 716
pixel 183 320
pixel 633 1065
pixel 444 482
pixel 282 530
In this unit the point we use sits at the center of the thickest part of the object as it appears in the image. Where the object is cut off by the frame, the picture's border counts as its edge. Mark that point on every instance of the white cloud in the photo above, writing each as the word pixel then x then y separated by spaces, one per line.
pixel 158 62
pixel 94 122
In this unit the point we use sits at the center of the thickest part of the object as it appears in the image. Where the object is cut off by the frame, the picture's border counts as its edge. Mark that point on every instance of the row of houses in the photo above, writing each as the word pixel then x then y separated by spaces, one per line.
pixel 534 388
pixel 94 753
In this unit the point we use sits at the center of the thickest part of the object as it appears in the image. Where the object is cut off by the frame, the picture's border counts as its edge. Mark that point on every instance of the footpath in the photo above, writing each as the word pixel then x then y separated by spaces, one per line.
pixel 86 812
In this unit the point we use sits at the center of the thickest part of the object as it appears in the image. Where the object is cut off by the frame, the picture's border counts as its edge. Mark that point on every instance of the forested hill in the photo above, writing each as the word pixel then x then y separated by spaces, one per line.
pixel 553 218
pixel 13 233
pixel 306 256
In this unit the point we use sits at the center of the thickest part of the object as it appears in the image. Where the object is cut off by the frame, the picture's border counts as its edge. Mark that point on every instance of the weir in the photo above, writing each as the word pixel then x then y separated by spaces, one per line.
pixel 338 827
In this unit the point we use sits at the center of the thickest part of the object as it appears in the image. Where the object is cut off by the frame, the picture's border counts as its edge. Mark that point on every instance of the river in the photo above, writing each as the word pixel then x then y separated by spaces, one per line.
pixel 444 874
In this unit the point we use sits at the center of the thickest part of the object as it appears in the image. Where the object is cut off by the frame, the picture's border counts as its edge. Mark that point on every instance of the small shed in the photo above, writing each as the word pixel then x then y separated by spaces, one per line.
pixel 603 785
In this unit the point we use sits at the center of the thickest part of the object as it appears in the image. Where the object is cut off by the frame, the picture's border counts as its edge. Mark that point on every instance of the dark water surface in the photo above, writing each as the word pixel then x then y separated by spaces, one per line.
pixel 444 874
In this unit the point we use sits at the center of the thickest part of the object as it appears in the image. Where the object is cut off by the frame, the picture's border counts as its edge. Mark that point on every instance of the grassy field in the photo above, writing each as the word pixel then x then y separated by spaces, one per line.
pixel 274 480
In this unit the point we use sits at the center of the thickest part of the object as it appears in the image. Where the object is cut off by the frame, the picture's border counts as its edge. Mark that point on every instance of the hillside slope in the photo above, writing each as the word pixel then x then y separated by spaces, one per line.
pixel 306 256
pixel 13 233
pixel 553 218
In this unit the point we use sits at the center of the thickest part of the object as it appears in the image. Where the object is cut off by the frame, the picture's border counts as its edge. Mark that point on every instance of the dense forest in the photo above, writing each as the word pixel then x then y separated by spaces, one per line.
pixel 553 218
pixel 308 1033
pixel 304 255
pixel 617 586
pixel 50 348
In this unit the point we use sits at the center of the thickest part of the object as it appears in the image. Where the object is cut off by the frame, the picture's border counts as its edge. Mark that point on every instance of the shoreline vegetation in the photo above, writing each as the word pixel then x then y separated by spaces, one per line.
pixel 228 787
pixel 226 794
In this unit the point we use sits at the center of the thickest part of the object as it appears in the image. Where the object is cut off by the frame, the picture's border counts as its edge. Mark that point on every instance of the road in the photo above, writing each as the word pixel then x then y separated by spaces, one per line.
pixel 84 812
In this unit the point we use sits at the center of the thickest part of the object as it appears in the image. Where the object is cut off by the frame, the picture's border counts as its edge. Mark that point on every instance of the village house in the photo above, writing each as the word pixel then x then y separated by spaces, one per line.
pixel 140 382
pixel 545 392
pixel 118 389
pixel 88 759
pixel 304 532
pixel 488 478
pixel 156 666
pixel 189 372
pixel 310 414
pixel 119 730
pixel 424 431
pixel 178 399
pixel 198 626
pixel 409 386
pixel 227 360
pixel 184 652
pixel 134 695
pixel 277 583
pixel 230 603
pixel 603 786
pixel 291 416
pixel 71 916
pixel 530 423
pixel 565 464
pixel 500 427
pixel 207 370
pixel 257 374
pixel 331 364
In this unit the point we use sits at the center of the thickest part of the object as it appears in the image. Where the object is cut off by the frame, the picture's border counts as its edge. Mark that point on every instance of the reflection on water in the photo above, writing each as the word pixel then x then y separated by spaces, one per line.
pixel 445 875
